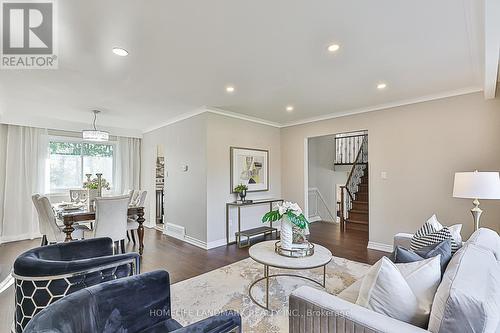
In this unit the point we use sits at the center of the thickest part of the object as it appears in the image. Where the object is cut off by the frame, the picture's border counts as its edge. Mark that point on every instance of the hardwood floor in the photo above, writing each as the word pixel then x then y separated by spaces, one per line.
pixel 183 260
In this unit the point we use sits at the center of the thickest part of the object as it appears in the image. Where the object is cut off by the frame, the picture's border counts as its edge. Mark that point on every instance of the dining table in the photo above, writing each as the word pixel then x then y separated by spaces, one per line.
pixel 84 214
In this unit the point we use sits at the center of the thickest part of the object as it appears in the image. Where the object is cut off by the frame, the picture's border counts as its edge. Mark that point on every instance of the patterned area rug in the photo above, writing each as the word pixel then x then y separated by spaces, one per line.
pixel 226 288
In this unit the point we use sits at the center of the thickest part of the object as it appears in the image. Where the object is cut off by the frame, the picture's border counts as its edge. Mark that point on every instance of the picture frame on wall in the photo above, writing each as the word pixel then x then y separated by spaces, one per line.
pixel 249 167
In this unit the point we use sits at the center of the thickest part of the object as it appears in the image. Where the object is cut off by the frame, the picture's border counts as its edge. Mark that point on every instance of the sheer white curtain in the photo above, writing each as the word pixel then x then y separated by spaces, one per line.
pixel 23 158
pixel 128 164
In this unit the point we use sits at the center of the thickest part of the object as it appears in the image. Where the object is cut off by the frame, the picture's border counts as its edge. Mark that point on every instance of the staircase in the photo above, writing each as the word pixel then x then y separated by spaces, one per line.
pixel 358 215
pixel 354 195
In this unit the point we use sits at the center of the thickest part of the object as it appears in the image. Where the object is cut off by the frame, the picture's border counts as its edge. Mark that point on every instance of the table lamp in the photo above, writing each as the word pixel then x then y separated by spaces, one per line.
pixel 476 185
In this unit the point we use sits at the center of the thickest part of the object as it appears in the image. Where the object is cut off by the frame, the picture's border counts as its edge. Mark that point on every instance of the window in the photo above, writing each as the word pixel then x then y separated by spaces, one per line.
pixel 71 160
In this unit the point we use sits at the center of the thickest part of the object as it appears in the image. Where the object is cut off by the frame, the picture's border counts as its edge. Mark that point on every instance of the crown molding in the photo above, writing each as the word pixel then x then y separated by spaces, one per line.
pixel 214 110
pixel 181 117
pixel 209 109
pixel 242 117
pixel 385 106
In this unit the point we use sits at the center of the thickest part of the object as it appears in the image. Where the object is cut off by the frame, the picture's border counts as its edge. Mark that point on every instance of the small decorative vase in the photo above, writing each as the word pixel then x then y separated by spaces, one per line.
pixel 286 233
pixel 243 194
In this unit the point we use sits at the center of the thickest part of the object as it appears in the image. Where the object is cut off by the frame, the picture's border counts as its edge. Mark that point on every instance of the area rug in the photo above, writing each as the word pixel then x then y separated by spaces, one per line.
pixel 226 288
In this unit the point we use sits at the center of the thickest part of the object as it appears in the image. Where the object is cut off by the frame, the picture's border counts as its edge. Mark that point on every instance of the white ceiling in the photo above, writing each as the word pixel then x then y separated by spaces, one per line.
pixel 184 53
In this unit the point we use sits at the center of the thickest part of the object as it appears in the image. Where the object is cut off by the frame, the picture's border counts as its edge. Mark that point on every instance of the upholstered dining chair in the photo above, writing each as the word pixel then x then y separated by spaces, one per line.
pixel 46 274
pixel 132 223
pixel 136 304
pixel 111 219
pixel 47 222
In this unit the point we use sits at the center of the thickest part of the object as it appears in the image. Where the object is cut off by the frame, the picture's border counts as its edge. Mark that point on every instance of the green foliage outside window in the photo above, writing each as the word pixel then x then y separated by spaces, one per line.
pixel 89 149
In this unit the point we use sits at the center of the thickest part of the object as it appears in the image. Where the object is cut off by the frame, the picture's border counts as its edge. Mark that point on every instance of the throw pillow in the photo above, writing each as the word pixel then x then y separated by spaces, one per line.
pixel 433 221
pixel 386 290
pixel 402 255
pixel 424 278
pixel 455 233
pixel 427 235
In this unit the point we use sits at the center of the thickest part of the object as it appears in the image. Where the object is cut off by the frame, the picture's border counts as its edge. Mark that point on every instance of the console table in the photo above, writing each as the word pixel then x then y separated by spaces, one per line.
pixel 264 230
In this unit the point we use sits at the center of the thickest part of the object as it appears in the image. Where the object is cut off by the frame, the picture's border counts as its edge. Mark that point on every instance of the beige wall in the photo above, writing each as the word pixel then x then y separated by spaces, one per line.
pixel 196 199
pixel 420 146
pixel 222 133
pixel 184 143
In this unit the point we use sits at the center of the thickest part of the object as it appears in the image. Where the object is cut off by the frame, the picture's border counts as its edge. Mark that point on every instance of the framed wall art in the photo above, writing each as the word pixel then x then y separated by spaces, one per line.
pixel 250 167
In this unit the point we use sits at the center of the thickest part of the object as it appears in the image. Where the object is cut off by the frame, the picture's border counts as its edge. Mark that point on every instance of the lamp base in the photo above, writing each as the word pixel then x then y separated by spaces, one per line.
pixel 476 213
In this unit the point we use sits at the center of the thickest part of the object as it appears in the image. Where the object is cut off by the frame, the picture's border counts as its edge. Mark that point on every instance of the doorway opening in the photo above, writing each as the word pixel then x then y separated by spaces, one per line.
pixel 337 179
pixel 160 187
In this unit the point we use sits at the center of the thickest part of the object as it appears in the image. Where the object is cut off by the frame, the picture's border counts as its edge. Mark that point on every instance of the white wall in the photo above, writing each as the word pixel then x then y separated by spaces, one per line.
pixel 321 156
pixel 224 132
pixel 420 146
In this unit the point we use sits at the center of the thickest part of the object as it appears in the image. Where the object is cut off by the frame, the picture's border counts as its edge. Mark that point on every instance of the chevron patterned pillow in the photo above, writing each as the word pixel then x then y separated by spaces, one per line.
pixel 428 235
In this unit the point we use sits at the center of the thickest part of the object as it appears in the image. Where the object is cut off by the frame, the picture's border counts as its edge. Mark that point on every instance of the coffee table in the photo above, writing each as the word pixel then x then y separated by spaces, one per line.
pixel 264 254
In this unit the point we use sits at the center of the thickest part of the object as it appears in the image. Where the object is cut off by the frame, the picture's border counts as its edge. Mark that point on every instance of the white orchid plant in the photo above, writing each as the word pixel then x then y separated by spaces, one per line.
pixel 292 210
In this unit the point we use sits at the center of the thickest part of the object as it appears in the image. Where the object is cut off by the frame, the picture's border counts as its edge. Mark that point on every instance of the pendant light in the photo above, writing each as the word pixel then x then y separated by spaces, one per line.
pixel 94 134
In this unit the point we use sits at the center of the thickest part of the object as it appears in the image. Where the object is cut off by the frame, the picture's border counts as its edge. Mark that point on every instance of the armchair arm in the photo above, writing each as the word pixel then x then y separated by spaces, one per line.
pixel 79 249
pixel 313 310
pixel 31 265
pixel 228 321
pixel 403 239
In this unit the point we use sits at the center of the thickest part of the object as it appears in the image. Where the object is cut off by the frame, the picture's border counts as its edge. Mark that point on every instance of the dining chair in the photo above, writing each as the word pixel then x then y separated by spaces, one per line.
pixel 132 223
pixel 133 195
pixel 79 195
pixel 111 219
pixel 47 222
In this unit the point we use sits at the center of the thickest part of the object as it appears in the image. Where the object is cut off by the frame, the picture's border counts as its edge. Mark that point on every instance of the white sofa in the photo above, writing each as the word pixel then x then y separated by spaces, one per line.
pixel 467 300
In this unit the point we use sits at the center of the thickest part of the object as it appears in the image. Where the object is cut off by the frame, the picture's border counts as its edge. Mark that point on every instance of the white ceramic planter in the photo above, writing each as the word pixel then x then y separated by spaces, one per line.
pixel 286 233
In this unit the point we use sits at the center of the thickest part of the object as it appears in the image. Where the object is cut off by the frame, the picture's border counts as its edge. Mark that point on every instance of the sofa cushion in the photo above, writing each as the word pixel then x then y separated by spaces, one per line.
pixel 468 298
pixel 487 239
pixel 402 255
pixel 351 293
pixel 403 292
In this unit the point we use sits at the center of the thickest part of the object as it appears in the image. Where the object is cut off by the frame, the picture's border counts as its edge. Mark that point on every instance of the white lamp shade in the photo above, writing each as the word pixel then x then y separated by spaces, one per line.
pixel 477 185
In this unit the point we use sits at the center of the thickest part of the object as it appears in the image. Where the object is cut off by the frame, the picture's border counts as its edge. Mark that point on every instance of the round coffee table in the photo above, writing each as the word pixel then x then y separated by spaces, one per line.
pixel 264 254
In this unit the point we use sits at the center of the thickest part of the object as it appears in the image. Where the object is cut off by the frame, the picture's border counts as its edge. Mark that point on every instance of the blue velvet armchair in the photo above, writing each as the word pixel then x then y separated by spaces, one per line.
pixel 46 274
pixel 134 304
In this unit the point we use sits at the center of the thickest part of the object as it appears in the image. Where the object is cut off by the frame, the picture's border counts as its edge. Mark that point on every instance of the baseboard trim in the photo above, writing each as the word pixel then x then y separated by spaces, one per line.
pixel 195 242
pixel 19 237
pixel 174 230
pixel 217 243
pixel 380 247
pixel 315 218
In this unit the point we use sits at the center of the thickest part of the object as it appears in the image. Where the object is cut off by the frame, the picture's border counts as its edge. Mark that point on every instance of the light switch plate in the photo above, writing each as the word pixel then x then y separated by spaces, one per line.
pixel 383 175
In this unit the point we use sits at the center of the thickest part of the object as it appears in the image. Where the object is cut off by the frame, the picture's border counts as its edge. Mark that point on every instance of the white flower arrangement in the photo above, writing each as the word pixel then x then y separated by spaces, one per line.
pixel 292 210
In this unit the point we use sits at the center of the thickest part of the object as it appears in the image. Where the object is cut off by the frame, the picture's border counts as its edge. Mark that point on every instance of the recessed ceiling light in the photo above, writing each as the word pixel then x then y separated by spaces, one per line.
pixel 120 52
pixel 333 47
pixel 289 108
pixel 230 89
pixel 381 86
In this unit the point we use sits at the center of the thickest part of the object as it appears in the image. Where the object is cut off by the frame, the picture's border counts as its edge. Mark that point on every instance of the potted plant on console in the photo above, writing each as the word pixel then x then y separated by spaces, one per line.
pixel 242 191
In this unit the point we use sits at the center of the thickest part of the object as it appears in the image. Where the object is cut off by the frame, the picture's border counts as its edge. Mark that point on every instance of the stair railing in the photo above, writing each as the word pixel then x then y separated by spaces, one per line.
pixel 348 192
